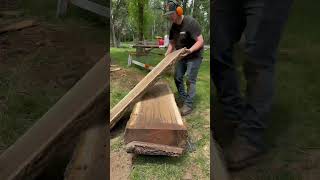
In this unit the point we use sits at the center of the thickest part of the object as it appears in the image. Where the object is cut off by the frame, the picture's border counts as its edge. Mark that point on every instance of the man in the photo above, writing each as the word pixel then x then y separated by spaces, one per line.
pixel 185 32
pixel 262 22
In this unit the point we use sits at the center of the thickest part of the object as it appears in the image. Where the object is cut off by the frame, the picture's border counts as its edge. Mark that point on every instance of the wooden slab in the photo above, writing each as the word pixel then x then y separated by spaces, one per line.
pixel 146 46
pixel 92 6
pixel 18 26
pixel 89 159
pixel 133 96
pixel 83 105
pixel 156 120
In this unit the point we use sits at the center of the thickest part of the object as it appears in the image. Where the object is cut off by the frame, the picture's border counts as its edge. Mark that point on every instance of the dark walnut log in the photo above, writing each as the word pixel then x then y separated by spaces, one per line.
pixel 156 124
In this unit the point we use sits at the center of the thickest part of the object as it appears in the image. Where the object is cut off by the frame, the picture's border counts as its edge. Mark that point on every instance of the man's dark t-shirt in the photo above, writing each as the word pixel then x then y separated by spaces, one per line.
pixel 185 35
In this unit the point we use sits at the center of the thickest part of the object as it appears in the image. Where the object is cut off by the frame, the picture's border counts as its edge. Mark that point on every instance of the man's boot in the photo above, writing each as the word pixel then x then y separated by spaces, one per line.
pixel 185 110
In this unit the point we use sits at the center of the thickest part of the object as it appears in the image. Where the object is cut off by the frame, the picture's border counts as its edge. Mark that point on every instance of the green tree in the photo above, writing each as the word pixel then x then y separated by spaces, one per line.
pixel 118 21
pixel 201 12
pixel 139 16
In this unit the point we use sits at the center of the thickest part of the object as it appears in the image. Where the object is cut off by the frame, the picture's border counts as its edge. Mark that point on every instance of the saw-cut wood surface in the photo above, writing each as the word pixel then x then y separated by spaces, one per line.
pixel 18 26
pixel 151 78
pixel 156 119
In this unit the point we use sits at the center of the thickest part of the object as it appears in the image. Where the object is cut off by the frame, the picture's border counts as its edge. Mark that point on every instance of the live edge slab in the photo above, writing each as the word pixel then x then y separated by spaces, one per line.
pixel 156 126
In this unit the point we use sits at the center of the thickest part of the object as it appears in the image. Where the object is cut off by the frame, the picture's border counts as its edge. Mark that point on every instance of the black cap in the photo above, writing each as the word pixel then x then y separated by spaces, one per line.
pixel 170 8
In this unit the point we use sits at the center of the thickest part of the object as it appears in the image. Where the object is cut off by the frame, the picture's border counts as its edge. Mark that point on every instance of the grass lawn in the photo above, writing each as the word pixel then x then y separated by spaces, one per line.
pixel 196 160
pixel 294 131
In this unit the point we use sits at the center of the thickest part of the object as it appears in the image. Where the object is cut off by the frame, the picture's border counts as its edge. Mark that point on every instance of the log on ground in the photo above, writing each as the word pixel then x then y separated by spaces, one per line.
pixel 156 120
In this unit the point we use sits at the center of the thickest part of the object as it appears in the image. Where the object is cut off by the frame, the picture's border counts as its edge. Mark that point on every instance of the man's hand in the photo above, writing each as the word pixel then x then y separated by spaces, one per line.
pixel 170 48
pixel 186 53
pixel 195 47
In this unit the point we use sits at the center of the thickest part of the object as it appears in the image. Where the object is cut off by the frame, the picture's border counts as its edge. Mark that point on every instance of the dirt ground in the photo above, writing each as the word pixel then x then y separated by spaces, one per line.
pixel 38 65
pixel 121 164
pixel 121 161
pixel 68 57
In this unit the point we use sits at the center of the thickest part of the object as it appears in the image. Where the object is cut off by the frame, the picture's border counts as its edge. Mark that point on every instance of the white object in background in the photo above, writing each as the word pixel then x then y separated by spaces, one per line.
pixel 166 40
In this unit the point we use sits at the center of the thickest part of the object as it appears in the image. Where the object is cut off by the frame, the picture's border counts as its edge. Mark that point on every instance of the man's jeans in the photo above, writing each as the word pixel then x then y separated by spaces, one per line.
pixel 262 22
pixel 190 67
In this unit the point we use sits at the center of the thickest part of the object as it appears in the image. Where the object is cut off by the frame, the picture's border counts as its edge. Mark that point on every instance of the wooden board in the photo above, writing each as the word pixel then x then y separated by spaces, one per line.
pixel 83 105
pixel 92 6
pixel 89 159
pixel 133 96
pixel 145 46
pixel 18 26
pixel 156 120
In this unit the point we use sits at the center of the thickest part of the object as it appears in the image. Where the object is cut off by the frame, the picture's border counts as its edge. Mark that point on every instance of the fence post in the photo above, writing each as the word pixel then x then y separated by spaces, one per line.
pixel 62 7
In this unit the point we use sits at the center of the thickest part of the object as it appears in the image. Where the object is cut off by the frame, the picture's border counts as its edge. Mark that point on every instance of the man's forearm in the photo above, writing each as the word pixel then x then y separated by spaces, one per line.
pixel 170 48
pixel 198 45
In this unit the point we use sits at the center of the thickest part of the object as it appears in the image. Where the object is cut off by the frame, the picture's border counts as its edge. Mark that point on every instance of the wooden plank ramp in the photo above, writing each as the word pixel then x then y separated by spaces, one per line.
pixel 133 96
pixel 156 126
pixel 83 105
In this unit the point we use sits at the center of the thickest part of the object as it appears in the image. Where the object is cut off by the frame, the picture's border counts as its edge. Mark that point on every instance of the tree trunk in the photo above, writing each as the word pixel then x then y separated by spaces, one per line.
pixel 192 8
pixel 141 24
pixel 118 41
pixel 114 39
pixel 184 3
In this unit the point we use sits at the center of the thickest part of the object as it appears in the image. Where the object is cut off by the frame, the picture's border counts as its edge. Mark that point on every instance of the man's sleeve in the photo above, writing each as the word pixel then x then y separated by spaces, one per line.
pixel 195 29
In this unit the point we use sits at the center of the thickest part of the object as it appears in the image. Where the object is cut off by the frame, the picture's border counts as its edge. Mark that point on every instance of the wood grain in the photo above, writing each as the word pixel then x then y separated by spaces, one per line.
pixel 133 96
pixel 156 119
